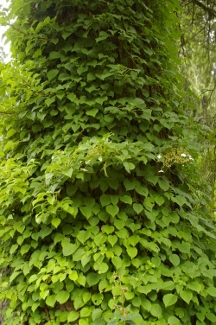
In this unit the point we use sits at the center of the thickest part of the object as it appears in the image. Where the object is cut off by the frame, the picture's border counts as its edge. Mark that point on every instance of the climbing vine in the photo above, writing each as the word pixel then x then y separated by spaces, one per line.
pixel 100 222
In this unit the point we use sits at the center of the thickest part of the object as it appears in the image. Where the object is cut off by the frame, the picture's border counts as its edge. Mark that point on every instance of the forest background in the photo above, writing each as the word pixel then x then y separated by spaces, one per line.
pixel 107 172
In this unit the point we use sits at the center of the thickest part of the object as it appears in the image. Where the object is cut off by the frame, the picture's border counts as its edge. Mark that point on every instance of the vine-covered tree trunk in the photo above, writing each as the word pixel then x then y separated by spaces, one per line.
pixel 100 219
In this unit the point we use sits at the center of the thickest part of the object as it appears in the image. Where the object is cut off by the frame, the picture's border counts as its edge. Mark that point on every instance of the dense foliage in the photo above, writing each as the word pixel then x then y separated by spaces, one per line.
pixel 197 50
pixel 102 218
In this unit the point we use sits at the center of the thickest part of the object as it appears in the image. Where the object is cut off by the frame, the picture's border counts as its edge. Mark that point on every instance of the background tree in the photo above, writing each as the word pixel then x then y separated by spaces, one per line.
pixel 198 68
pixel 102 218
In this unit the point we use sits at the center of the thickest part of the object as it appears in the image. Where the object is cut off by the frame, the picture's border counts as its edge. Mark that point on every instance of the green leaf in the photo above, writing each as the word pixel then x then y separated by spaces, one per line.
pixel 13 248
pixel 186 295
pixel 133 227
pixel 49 101
pixel 112 210
pixel 68 248
pixel 180 200
pixel 105 200
pixel 151 178
pixel 83 321
pixel 112 239
pixel 73 275
pixel 81 280
pixel 53 112
pixel 174 259
pixel 132 251
pixel 195 286
pixel 128 166
pixel 54 55
pixel 184 247
pixel 129 295
pixel 129 185
pixel 92 278
pixel 159 199
pixel 108 229
pixel 164 184
pixel 62 296
pixel 78 254
pixel 149 203
pixel 35 306
pixel 126 199
pixel 59 237
pixel 85 312
pixel 136 301
pixel 86 297
pixel 83 236
pixel 116 291
pixel 117 250
pixel 66 34
pixel 211 291
pixel 54 40
pixel 86 212
pixel 71 210
pixel 102 36
pixel 96 314
pixel 123 233
pixel 85 259
pixel 174 217
pixel 113 183
pixel 52 74
pixel 169 299
pixel 63 76
pixel 11 132
pixel 142 190
pixel 172 320
pixel 114 199
pixel 119 224
pixel 103 268
pixel 137 207
pixel 37 53
pixel 97 298
pixel 51 300
pixel 102 215
pixel 156 310
pixel 89 202
pixel 33 278
pixel 45 231
pixel 92 112
pixel 133 240
pixel 211 317
pixel 117 262
pixel 24 249
pixel 56 222
pixel 99 239
pixel 78 301
pixel 16 273
pixel 72 316
pixel 72 97
pixel 146 304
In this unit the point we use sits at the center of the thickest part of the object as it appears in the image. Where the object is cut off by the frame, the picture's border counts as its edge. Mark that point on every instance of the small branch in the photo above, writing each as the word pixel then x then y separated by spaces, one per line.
pixel 47 313
pixel 26 34
pixel 211 12
pixel 7 113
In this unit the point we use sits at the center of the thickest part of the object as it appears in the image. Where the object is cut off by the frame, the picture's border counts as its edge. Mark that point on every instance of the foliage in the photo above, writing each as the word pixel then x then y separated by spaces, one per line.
pixel 198 68
pixel 100 222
